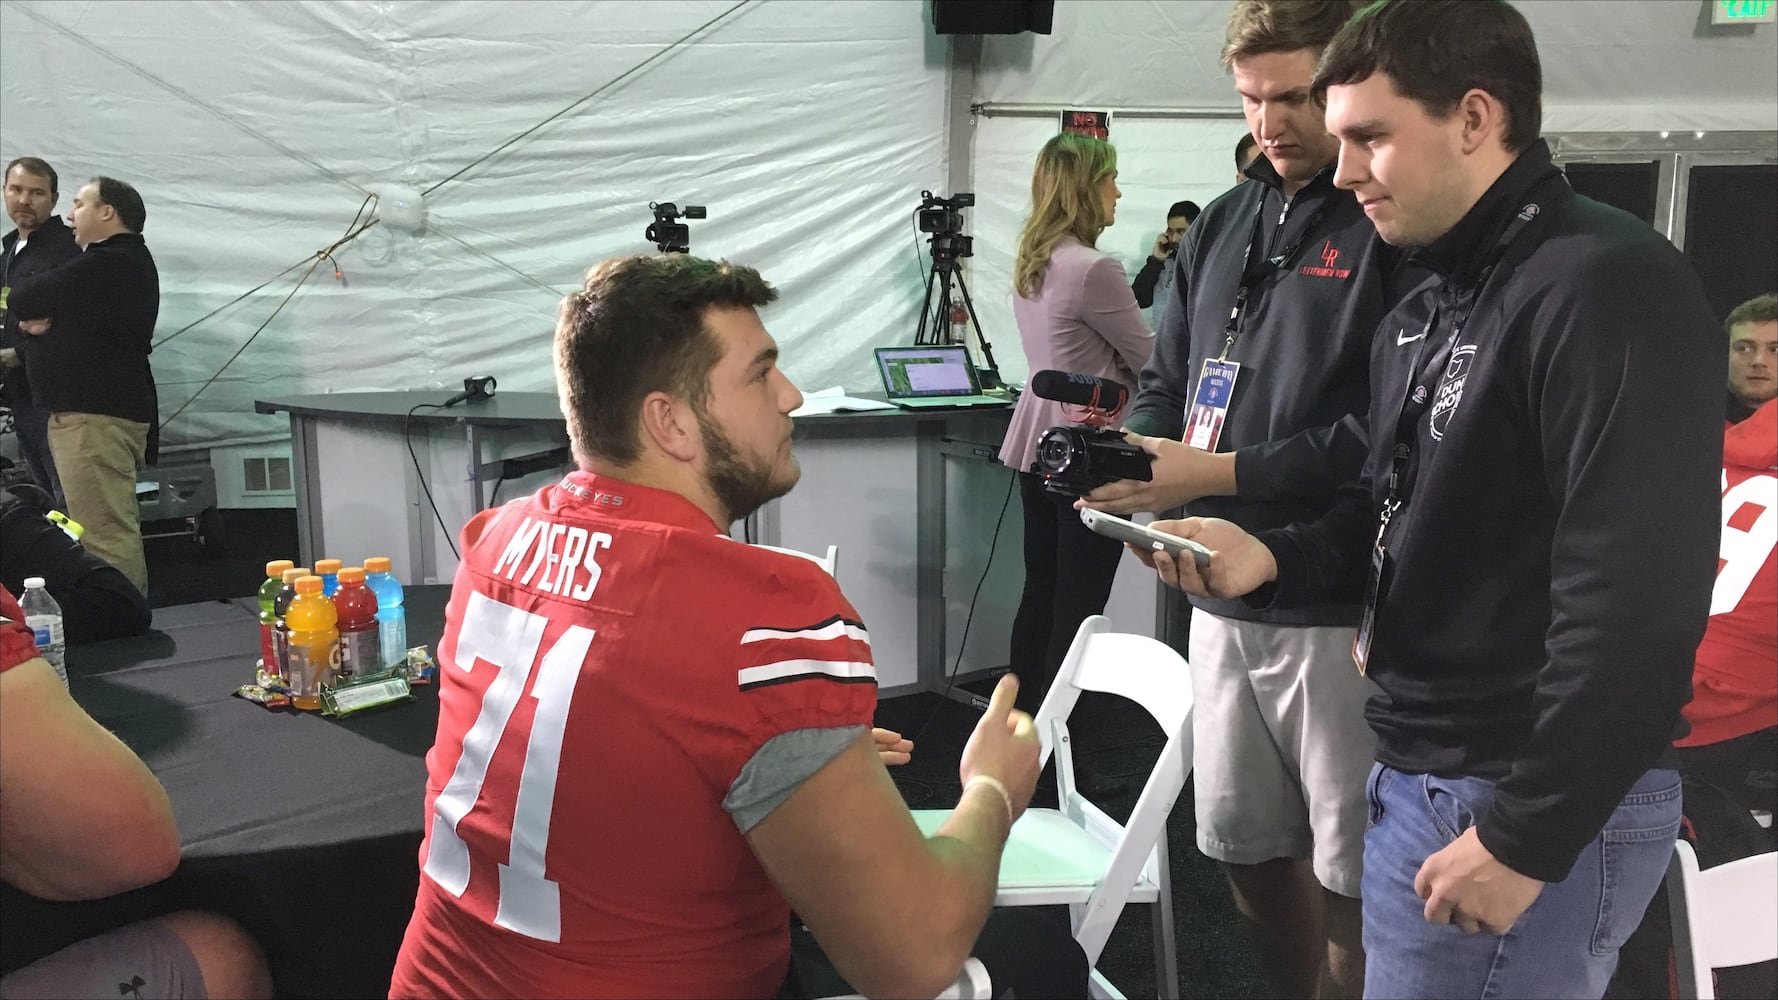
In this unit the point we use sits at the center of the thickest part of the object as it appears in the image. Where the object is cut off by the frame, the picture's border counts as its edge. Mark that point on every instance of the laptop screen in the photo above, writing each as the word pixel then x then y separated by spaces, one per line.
pixel 926 371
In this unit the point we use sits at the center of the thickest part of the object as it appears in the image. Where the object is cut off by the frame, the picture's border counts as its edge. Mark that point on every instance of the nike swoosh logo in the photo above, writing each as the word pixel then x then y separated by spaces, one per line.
pixel 1402 338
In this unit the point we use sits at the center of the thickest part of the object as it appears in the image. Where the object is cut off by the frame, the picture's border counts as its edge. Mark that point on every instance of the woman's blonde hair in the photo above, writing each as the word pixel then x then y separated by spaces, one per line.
pixel 1065 201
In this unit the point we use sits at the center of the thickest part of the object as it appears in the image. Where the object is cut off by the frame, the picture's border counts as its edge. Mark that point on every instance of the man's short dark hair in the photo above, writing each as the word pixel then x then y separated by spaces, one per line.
pixel 1763 309
pixel 1188 209
pixel 33 165
pixel 636 327
pixel 1435 51
pixel 1247 142
pixel 124 199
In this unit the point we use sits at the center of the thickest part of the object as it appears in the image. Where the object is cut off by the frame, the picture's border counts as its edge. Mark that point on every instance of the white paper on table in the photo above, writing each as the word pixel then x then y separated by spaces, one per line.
pixel 835 400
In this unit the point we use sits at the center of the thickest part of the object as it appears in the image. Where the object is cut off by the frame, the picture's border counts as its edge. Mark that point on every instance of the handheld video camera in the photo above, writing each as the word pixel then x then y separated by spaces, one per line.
pixel 667 233
pixel 1076 460
pixel 943 218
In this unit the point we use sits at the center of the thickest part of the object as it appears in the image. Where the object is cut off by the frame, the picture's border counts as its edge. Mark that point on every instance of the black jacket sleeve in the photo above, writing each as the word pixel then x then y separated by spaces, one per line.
pixel 1624 388
pixel 1325 560
pixel 1307 466
pixel 1146 279
pixel 1163 384
pixel 97 600
pixel 45 293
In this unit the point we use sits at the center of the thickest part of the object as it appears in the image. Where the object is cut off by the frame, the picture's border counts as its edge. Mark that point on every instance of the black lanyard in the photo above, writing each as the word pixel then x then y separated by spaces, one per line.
pixel 1418 393
pixel 1252 275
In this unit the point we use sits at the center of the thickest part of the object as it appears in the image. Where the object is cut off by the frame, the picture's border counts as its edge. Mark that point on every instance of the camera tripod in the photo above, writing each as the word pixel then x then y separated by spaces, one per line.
pixel 946 249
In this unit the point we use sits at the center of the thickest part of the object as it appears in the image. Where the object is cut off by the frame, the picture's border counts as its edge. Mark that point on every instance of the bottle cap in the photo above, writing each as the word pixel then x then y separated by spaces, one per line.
pixel 377 564
pixel 352 574
pixel 275 569
pixel 327 567
pixel 294 574
pixel 309 585
pixel 33 582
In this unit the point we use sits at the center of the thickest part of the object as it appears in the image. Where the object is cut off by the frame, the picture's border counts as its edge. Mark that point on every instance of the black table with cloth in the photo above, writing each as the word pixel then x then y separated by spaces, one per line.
pixel 303 828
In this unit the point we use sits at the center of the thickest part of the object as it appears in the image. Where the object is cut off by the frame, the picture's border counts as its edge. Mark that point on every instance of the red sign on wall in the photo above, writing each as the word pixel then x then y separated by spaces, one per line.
pixel 1094 123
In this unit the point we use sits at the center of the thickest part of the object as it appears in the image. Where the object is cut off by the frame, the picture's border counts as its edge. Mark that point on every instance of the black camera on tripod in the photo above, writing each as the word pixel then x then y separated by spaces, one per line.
pixel 943 218
pixel 667 233
pixel 1076 460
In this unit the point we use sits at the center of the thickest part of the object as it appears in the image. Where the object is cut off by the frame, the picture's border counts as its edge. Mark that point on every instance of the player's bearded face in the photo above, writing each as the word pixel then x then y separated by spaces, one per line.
pixel 743 483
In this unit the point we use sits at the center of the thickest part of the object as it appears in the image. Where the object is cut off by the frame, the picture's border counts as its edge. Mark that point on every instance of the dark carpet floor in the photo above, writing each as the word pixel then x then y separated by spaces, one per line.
pixel 1113 739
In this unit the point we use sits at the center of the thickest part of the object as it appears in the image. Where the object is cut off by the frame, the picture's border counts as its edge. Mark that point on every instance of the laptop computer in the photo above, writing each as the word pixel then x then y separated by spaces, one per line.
pixel 918 378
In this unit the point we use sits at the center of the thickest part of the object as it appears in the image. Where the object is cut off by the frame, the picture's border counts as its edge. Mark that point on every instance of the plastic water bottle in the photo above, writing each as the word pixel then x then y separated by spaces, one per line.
pixel 391 618
pixel 268 619
pixel 329 572
pixel 314 644
pixel 43 616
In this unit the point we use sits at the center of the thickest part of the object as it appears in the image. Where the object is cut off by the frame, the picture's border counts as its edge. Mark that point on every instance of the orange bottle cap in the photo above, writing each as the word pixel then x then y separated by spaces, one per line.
pixel 352 574
pixel 295 573
pixel 275 569
pixel 377 564
pixel 309 585
pixel 328 566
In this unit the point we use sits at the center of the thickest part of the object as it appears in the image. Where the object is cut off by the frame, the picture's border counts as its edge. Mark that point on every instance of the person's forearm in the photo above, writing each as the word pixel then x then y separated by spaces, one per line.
pixel 967 851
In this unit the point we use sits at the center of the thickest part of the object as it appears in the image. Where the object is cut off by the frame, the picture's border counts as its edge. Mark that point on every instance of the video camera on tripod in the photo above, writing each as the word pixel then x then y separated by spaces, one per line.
pixel 943 218
pixel 1076 460
pixel 667 233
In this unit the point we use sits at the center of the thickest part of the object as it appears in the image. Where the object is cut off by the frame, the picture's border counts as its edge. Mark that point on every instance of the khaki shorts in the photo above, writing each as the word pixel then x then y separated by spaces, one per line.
pixel 1281 750
pixel 145 960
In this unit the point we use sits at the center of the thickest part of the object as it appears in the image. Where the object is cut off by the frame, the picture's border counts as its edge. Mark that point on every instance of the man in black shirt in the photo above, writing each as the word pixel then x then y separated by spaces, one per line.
pixel 92 323
pixel 1538 522
pixel 39 243
pixel 1153 284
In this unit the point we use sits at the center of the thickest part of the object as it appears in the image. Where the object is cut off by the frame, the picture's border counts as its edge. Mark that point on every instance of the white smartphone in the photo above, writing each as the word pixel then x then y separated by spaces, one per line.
pixel 1142 536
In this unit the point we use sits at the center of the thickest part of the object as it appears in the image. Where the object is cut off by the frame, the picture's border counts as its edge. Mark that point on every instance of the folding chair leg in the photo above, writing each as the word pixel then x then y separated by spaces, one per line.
pixel 1166 944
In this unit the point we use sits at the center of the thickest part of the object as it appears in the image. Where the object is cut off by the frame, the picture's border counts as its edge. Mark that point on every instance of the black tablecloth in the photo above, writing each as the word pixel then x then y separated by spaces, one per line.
pixel 305 829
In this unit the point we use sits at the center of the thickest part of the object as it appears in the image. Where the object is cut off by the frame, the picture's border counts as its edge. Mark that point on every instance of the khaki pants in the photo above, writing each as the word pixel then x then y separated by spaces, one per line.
pixel 96 457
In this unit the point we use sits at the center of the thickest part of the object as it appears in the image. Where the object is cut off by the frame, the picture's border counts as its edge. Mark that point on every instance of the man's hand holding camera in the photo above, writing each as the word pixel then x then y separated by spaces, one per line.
pixel 1180 473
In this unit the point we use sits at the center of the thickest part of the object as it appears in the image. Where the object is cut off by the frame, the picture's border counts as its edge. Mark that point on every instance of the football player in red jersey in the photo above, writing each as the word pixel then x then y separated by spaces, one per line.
pixel 1734 707
pixel 654 741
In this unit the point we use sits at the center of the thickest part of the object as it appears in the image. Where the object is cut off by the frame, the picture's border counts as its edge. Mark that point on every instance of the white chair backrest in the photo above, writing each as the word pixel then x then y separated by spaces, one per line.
pixel 1153 675
pixel 1722 916
pixel 829 562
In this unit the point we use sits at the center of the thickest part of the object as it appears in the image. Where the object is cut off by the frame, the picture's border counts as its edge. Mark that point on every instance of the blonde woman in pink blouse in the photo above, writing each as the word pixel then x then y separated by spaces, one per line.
pixel 1076 313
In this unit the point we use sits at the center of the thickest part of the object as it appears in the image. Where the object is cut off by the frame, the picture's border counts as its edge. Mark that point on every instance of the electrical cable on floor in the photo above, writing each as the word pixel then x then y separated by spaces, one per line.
pixel 409 441
pixel 951 678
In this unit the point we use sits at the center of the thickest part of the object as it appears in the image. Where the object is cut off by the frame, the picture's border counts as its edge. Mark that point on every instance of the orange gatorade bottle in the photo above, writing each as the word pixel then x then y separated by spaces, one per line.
pixel 314 644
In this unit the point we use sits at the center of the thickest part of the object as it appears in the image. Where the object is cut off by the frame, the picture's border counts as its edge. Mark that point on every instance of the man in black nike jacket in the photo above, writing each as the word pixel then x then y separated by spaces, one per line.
pixel 1536 530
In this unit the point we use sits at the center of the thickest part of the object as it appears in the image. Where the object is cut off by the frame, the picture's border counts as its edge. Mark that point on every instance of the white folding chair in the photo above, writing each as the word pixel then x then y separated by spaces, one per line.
pixel 1077 854
pixel 972 983
pixel 1722 917
pixel 829 562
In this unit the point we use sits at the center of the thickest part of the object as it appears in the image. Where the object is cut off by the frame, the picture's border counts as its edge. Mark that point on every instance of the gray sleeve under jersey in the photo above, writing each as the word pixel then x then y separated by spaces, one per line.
pixel 780 767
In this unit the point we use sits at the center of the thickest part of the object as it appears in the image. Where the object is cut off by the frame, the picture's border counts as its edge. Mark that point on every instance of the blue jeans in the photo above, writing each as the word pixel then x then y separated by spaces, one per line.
pixel 1564 945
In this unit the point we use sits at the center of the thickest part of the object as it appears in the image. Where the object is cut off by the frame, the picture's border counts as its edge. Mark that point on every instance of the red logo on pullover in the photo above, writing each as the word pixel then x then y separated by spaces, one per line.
pixel 1329 255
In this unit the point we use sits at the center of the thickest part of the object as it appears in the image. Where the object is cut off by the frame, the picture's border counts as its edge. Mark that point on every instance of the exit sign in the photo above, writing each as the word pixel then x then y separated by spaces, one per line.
pixel 1743 11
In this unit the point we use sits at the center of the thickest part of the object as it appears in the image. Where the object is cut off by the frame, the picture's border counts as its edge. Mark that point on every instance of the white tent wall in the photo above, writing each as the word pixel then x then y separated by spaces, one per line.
pixel 1609 65
pixel 254 129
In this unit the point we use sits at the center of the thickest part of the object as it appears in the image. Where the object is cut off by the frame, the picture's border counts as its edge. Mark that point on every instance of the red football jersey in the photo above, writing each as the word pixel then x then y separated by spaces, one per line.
pixel 1735 682
pixel 610 663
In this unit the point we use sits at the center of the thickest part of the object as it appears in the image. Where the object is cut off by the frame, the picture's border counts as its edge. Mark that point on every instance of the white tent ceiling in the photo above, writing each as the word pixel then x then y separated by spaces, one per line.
pixel 253 130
